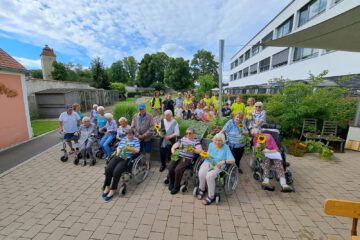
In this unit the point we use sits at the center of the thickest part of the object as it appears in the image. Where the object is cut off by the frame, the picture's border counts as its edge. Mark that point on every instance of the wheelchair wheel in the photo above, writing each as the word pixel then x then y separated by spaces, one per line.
pixel 140 169
pixel 99 154
pixel 76 161
pixel 183 188
pixel 231 180
pixel 166 180
pixel 288 177
pixel 217 199
pixel 64 158
pixel 257 176
pixel 122 190
pixel 195 191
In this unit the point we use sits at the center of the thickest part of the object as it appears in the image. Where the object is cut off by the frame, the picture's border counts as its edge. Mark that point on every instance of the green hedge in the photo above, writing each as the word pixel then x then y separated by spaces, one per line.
pixel 132 94
pixel 124 109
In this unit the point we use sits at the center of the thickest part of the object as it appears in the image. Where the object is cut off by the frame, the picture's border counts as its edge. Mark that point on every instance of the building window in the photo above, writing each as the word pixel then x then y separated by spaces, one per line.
pixel 231 77
pixel 304 53
pixel 264 64
pixel 247 54
pixel 267 38
pixel 255 49
pixel 235 76
pixel 240 74
pixel 232 65
pixel 236 62
pixel 241 59
pixel 246 72
pixel 311 10
pixel 280 59
pixel 285 28
pixel 253 69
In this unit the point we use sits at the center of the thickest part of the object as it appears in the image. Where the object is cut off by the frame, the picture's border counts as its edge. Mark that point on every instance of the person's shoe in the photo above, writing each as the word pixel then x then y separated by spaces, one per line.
pixel 108 198
pixel 286 188
pixel 240 171
pixel 175 191
pixel 171 186
pixel 267 186
pixel 162 168
pixel 104 194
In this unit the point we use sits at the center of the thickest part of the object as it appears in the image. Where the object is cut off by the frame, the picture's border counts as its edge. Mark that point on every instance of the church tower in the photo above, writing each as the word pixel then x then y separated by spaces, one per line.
pixel 47 58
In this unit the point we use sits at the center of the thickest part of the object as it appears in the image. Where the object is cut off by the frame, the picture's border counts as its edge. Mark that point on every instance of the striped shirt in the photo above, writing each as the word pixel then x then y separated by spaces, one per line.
pixel 184 142
pixel 257 117
pixel 134 142
pixel 234 134
pixel 111 126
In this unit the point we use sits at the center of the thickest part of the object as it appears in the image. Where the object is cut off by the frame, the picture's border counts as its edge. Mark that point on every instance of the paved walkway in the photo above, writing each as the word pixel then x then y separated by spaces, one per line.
pixel 48 199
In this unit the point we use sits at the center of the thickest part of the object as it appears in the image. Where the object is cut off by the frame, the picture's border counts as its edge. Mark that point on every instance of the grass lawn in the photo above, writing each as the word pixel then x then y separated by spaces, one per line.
pixel 39 127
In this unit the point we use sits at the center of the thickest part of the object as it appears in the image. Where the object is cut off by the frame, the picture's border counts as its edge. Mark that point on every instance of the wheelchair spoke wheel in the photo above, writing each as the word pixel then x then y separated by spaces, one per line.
pixel 140 169
pixel 231 180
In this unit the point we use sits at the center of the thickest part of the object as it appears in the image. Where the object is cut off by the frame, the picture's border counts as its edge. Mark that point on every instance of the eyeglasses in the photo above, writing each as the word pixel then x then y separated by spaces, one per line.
pixel 258 106
pixel 190 133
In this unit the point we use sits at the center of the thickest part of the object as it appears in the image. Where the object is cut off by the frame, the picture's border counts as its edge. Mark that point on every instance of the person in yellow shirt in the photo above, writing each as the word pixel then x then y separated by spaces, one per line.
pixel 249 108
pixel 187 99
pixel 156 104
pixel 215 101
pixel 207 100
pixel 237 106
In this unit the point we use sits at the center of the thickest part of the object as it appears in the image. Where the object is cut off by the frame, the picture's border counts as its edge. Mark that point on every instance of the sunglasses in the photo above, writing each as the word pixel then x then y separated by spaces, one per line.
pixel 189 132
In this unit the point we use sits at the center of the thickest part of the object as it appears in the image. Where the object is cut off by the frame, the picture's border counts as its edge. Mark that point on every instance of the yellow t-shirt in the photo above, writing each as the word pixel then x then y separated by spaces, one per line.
pixel 248 111
pixel 187 101
pixel 236 108
pixel 207 101
pixel 215 102
pixel 157 102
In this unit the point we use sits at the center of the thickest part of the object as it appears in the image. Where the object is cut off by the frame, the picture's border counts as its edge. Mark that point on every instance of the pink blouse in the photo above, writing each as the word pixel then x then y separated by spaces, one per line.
pixel 270 142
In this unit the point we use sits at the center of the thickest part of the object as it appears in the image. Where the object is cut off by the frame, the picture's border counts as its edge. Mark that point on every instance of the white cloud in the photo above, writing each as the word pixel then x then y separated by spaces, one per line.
pixel 113 29
pixel 29 63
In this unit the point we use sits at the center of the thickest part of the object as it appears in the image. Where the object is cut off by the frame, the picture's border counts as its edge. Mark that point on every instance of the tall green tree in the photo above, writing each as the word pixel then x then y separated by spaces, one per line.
pixel 117 72
pixel 131 67
pixel 152 68
pixel 37 74
pixel 203 63
pixel 99 75
pixel 177 74
pixel 59 72
pixel 206 84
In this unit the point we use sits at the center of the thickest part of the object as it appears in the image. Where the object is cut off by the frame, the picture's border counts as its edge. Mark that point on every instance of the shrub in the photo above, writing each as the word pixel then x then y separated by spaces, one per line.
pixel 120 87
pixel 124 109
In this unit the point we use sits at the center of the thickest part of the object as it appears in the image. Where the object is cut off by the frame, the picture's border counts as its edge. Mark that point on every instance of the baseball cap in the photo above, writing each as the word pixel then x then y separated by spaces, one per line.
pixel 141 106
pixel 68 106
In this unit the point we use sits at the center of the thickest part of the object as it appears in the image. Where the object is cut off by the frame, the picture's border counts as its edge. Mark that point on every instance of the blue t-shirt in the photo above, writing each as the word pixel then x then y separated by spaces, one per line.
pixel 224 153
pixel 101 121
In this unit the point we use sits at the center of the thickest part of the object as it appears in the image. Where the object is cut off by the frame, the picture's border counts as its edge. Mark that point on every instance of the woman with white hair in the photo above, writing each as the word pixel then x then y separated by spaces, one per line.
pixel 87 132
pixel 123 126
pixel 110 134
pixel 219 155
pixel 93 114
pixel 170 129
pixel 258 116
pixel 271 151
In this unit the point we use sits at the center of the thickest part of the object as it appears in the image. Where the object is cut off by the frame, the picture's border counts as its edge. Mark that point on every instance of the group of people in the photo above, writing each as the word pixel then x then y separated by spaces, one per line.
pixel 136 137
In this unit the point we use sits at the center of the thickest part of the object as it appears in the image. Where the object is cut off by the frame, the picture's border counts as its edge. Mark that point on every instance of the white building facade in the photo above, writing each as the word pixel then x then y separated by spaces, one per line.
pixel 257 65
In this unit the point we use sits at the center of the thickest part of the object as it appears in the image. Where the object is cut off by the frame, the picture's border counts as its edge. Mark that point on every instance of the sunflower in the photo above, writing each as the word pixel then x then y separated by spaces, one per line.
pixel 204 154
pixel 190 149
pixel 240 125
pixel 261 138
pixel 130 148
pixel 157 126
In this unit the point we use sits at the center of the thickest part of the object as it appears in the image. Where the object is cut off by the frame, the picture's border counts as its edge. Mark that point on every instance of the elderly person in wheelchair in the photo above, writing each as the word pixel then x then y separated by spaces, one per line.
pixel 266 146
pixel 189 147
pixel 128 147
pixel 219 156
pixel 87 137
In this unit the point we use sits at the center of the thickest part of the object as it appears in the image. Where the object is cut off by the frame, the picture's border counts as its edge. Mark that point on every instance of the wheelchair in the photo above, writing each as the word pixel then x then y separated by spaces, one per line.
pixel 137 169
pixel 257 165
pixel 86 159
pixel 226 180
pixel 187 176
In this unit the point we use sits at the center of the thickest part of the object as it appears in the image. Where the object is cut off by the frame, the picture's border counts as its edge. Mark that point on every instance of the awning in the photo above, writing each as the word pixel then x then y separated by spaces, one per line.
pixel 338 33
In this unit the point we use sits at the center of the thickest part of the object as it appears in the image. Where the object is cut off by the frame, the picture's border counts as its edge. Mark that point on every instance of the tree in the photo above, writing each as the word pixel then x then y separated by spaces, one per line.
pixel 131 67
pixel 152 68
pixel 99 76
pixel 206 84
pixel 59 72
pixel 37 74
pixel 203 63
pixel 117 72
pixel 120 87
pixel 177 74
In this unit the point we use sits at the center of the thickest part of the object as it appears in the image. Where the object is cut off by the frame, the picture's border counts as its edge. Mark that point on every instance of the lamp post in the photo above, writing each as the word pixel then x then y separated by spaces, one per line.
pixel 221 59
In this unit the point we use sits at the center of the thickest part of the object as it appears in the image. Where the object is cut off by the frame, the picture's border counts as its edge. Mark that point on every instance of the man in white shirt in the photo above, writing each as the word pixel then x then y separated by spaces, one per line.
pixel 69 123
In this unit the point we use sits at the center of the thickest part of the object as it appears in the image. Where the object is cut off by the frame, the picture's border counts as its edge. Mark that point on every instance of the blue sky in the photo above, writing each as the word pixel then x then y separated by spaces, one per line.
pixel 81 30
